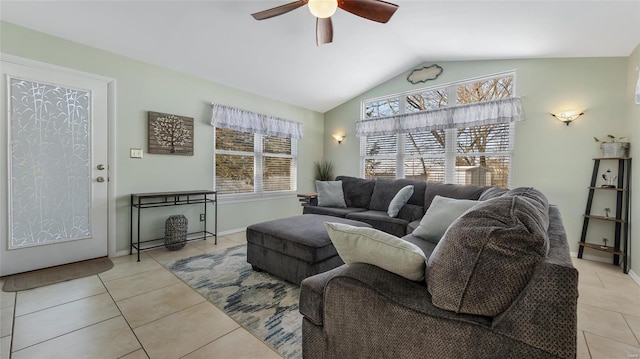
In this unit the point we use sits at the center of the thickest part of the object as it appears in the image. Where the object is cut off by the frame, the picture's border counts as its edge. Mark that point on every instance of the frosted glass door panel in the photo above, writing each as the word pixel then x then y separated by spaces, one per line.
pixel 50 163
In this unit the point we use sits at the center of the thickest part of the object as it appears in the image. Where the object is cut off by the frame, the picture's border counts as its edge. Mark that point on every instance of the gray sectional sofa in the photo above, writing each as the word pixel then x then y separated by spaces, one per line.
pixel 367 201
pixel 498 284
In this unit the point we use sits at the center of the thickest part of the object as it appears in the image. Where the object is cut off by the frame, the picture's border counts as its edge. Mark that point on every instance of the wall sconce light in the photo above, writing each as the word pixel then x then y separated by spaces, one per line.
pixel 568 116
pixel 338 138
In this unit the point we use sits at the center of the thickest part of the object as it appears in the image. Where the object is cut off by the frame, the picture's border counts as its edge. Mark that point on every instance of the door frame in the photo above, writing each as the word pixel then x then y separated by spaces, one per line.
pixel 111 138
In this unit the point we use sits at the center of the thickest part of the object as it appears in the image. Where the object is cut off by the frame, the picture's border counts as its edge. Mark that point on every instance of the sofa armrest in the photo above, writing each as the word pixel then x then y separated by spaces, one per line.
pixel 552 292
pixel 403 292
pixel 312 294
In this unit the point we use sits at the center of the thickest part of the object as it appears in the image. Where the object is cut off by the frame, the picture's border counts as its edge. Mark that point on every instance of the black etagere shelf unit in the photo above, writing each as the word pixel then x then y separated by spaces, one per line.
pixel 619 218
pixel 140 201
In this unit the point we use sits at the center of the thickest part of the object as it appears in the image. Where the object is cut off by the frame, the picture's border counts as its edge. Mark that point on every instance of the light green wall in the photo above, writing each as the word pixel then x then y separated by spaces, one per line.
pixel 142 87
pixel 548 155
pixel 634 131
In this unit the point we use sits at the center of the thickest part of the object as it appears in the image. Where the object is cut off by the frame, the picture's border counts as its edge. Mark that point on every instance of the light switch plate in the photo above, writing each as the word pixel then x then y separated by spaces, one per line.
pixel 135 152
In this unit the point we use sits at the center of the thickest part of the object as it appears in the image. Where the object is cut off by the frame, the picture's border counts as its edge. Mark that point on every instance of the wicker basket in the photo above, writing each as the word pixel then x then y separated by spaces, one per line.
pixel 175 232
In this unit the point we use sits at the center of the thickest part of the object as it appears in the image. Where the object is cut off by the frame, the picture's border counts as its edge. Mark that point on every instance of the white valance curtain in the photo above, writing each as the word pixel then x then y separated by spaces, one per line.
pixel 476 114
pixel 247 121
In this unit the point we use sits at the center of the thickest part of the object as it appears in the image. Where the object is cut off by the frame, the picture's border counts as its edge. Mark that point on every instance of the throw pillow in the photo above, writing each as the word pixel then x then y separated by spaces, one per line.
pixel 487 256
pixel 330 194
pixel 442 212
pixel 369 245
pixel 399 200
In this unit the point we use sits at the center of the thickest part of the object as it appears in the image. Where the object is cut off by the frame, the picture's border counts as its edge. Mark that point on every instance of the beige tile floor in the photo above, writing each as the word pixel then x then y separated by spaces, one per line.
pixel 140 310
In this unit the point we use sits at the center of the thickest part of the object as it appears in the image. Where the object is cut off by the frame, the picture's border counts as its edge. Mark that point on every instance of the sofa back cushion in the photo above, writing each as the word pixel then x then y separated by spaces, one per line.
pixel 456 191
pixel 384 191
pixel 357 191
pixel 492 192
pixel 488 255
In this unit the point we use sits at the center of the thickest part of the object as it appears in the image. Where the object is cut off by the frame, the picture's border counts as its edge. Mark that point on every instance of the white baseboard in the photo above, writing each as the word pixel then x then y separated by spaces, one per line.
pixel 223 233
pixel 634 277
pixel 631 273
pixel 121 253
pixel 231 231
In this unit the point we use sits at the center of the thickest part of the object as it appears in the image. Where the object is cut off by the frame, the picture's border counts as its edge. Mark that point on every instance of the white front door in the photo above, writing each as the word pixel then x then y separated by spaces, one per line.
pixel 53 208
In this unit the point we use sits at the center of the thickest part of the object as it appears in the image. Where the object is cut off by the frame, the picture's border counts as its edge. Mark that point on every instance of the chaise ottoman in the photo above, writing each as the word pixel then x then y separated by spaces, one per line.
pixel 294 248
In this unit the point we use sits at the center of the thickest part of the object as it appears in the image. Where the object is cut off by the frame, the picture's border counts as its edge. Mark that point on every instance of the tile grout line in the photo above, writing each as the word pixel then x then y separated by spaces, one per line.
pixel 632 332
pixel 228 316
pixel 125 320
pixel 57 305
pixel 218 338
pixel 63 334
pixel 584 337
pixel 40 310
pixel 13 323
pixel 613 340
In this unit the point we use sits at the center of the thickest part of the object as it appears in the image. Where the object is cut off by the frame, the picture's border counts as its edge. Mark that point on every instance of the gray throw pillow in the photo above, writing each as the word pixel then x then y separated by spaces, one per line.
pixel 399 200
pixel 442 212
pixel 330 194
pixel 369 245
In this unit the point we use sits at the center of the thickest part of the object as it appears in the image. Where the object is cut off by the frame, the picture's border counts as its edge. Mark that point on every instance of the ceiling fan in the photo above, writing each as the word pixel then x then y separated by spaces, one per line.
pixel 375 10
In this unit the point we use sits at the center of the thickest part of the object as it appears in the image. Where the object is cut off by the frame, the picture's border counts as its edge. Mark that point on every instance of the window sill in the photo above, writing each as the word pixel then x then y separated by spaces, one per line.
pixel 253 197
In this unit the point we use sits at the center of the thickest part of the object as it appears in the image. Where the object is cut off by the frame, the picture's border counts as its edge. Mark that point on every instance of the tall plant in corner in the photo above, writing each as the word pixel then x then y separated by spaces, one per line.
pixel 324 170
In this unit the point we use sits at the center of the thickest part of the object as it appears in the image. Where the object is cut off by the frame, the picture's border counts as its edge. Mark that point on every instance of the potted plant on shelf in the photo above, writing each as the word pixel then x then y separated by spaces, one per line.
pixel 324 170
pixel 613 147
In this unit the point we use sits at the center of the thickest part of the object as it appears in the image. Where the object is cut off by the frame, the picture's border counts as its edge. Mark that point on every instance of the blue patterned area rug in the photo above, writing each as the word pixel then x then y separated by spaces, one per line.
pixel 264 305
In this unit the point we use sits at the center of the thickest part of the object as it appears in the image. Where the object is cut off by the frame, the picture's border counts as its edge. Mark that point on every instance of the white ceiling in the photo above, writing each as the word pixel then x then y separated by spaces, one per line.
pixel 278 57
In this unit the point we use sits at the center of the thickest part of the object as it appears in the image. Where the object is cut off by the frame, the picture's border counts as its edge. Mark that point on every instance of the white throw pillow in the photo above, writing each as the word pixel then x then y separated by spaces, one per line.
pixel 399 200
pixel 442 212
pixel 369 245
pixel 330 194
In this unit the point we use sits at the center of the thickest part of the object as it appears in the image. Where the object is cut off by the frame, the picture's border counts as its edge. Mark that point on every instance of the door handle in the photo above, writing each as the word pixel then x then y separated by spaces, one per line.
pixel 100 179
pixel 100 167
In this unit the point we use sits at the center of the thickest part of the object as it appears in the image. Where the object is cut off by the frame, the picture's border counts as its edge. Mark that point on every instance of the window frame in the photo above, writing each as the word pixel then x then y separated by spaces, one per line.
pixel 258 155
pixel 450 149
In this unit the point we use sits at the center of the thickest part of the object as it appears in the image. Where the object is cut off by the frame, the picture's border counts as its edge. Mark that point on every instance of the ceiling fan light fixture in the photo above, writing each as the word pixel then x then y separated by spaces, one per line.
pixel 323 8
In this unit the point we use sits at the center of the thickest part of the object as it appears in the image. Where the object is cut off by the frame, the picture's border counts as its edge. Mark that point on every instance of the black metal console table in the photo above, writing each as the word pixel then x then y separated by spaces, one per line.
pixel 166 199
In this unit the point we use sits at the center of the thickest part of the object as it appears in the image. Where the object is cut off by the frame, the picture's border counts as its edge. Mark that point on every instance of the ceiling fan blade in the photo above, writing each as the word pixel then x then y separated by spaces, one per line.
pixel 324 31
pixel 279 10
pixel 376 10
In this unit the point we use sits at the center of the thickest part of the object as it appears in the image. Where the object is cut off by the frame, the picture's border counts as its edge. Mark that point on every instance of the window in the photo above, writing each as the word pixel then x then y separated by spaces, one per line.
pixel 479 155
pixel 254 153
pixel 253 163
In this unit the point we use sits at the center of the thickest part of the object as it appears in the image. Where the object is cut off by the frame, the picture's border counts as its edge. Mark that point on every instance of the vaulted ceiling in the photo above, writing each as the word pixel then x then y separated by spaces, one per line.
pixel 278 57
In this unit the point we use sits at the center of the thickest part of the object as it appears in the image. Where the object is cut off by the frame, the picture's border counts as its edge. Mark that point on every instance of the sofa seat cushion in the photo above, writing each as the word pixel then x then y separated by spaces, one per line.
pixel 488 255
pixel 303 237
pixel 331 211
pixel 381 220
pixel 412 226
pixel 357 191
pixel 369 245
pixel 426 246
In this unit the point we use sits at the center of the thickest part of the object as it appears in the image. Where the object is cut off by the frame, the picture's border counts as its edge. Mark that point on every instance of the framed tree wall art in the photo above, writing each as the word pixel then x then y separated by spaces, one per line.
pixel 170 134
